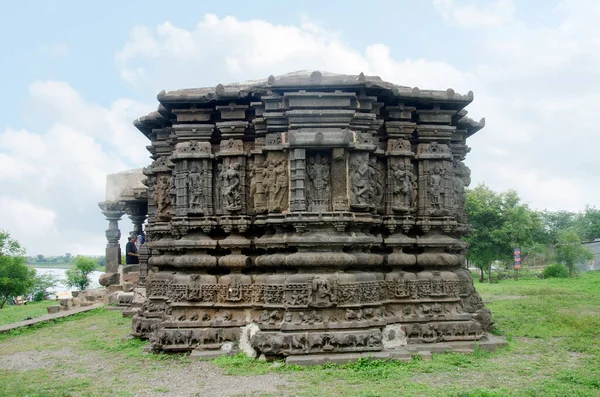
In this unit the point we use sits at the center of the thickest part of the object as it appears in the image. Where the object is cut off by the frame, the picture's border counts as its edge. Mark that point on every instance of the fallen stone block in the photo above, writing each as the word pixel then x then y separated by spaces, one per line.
pixel 53 309
pixel 107 279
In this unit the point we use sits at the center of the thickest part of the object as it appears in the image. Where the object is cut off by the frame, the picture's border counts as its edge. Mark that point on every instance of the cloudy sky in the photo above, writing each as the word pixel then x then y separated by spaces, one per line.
pixel 75 74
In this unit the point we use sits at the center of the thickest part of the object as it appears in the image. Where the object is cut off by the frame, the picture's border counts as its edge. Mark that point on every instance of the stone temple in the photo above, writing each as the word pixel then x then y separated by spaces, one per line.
pixel 307 215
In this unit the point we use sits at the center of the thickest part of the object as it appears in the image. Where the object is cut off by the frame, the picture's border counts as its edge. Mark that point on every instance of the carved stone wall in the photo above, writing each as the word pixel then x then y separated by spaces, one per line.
pixel 322 208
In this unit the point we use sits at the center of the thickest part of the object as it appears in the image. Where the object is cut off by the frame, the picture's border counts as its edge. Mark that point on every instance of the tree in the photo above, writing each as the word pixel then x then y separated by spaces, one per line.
pixel 587 224
pixel 570 251
pixel 16 278
pixel 554 222
pixel 40 258
pixel 41 284
pixel 102 261
pixel 78 275
pixel 500 223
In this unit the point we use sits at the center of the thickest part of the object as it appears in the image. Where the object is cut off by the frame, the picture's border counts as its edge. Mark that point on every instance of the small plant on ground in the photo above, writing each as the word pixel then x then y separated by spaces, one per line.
pixel 78 275
pixel 556 271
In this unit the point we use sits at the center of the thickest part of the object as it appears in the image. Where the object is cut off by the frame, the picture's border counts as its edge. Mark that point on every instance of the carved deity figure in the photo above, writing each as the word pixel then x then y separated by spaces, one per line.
pixel 362 191
pixel 194 181
pixel 436 188
pixel 234 290
pixel 403 186
pixel 162 196
pixel 322 291
pixel 253 178
pixel 462 178
pixel 269 180
pixel 318 173
pixel 376 180
pixel 275 182
pixel 231 188
pixel 220 180
pixel 280 193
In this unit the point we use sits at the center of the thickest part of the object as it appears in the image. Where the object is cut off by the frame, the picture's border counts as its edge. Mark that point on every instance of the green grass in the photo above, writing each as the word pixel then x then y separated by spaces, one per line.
pixel 553 328
pixel 14 313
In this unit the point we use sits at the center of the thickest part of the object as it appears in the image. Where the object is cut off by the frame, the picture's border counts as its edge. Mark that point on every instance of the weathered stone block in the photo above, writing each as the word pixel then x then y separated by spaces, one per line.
pixel 53 309
pixel 107 279
pixel 131 268
pixel 131 278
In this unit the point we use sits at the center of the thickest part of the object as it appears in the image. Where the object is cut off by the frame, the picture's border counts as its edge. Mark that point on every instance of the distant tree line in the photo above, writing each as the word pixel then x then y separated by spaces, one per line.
pixel 60 259
pixel 501 222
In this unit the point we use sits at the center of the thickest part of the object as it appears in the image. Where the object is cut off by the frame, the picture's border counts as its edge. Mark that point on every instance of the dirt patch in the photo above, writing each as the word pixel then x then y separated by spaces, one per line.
pixel 65 360
pixel 196 378
pixel 204 379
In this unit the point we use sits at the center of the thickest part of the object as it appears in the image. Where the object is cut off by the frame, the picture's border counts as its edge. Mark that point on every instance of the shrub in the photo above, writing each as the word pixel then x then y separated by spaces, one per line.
pixel 78 275
pixel 557 271
pixel 41 284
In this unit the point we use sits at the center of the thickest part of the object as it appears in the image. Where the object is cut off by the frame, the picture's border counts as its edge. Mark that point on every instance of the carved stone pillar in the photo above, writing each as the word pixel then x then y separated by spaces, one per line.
pixel 138 213
pixel 113 211
pixel 298 178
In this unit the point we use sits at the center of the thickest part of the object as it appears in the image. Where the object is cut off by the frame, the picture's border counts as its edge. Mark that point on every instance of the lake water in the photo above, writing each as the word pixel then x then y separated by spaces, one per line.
pixel 61 275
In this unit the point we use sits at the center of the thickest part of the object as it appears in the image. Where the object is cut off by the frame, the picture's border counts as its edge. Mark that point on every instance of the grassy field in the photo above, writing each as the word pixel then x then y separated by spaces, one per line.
pixel 553 328
pixel 12 313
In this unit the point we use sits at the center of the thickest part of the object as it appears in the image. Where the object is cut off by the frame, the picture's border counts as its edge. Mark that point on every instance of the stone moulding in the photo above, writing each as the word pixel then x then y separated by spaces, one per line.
pixel 324 211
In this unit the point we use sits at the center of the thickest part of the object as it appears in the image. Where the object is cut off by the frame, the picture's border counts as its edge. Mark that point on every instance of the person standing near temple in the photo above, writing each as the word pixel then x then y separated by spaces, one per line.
pixel 131 255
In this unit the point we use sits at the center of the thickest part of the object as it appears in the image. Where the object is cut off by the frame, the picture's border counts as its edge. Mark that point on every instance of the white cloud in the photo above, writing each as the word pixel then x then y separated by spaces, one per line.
pixel 464 14
pixel 53 177
pixel 537 86
pixel 530 82
pixel 222 50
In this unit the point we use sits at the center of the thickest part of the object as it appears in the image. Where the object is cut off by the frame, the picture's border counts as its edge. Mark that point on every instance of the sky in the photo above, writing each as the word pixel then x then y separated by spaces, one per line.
pixel 74 75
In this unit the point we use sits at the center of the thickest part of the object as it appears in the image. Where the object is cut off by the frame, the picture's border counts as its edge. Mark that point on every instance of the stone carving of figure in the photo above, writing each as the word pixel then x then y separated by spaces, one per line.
pixel 220 180
pixel 361 188
pixel 269 181
pixel 280 187
pixel 436 188
pixel 318 173
pixel 253 188
pixel 195 189
pixel 322 291
pixel 459 191
pixel 162 196
pixel 231 188
pixel 403 186
pixel 415 187
pixel 234 291
pixel 376 180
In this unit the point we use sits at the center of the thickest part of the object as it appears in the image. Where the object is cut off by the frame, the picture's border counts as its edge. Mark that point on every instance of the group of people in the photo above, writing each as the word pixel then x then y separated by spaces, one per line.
pixel 132 247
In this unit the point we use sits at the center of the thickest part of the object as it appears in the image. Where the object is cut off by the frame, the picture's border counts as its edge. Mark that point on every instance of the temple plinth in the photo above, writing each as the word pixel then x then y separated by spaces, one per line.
pixel 310 213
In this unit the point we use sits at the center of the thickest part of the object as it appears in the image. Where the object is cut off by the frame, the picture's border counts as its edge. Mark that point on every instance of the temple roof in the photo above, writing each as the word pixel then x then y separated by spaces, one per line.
pixel 306 79
pixel 389 93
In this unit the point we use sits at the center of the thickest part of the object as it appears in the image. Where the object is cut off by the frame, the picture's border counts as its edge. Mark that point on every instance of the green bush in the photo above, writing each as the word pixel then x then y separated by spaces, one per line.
pixel 557 271
pixel 78 275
